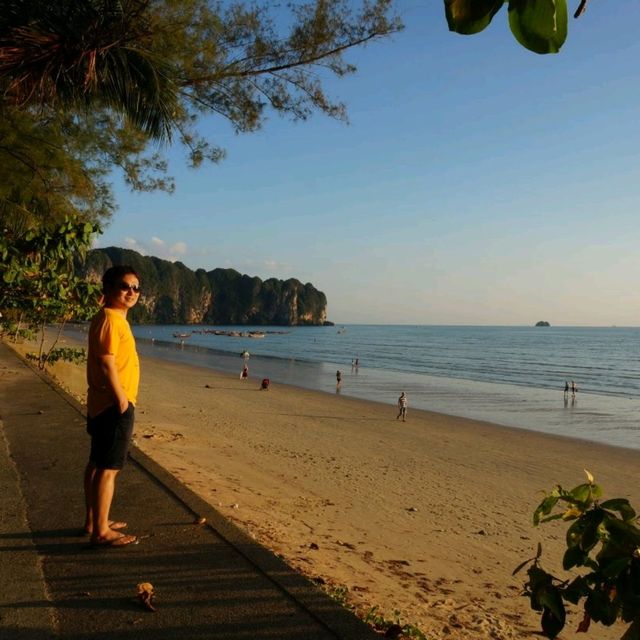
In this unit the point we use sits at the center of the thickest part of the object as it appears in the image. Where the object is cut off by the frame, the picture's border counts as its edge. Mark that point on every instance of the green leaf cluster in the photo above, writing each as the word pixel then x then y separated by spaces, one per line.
pixel 56 165
pixel 38 283
pixel 538 25
pixel 394 628
pixel 67 354
pixel 603 541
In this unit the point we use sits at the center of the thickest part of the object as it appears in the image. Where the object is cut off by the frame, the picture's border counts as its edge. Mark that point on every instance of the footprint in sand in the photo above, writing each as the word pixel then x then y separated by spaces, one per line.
pixel 348 545
pixel 404 563
pixel 443 602
pixel 424 584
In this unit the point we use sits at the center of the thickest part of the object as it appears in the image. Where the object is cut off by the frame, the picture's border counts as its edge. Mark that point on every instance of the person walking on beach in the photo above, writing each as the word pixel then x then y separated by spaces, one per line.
pixel 402 407
pixel 245 373
pixel 113 375
pixel 574 390
pixel 566 389
pixel 338 379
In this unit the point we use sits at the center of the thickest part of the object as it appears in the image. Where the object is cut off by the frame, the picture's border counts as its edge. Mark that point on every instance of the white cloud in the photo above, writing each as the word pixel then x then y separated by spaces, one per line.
pixel 264 268
pixel 274 265
pixel 179 248
pixel 132 243
pixel 157 247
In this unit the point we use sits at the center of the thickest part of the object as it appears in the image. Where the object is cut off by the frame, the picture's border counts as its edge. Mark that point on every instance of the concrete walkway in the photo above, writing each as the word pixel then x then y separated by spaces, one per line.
pixel 212 581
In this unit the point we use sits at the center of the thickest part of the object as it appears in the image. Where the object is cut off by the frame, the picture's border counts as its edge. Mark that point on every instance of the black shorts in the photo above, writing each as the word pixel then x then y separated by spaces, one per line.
pixel 110 433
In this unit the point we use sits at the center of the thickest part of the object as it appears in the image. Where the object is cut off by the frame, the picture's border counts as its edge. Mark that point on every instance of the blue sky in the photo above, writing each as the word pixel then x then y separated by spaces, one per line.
pixel 477 182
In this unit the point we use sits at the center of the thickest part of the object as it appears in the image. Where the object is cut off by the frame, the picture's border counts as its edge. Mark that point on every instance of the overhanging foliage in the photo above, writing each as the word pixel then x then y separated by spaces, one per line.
pixel 539 25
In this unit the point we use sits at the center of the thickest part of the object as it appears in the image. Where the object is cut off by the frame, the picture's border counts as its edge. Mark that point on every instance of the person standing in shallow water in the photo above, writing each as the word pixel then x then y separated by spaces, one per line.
pixel 338 379
pixel 113 376
pixel 402 407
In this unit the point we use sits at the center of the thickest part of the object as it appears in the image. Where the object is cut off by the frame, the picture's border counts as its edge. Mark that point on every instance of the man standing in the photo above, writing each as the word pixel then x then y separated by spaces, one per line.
pixel 402 407
pixel 113 374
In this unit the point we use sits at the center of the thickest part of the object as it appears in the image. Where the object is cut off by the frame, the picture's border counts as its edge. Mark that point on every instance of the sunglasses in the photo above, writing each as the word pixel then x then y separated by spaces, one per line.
pixel 129 287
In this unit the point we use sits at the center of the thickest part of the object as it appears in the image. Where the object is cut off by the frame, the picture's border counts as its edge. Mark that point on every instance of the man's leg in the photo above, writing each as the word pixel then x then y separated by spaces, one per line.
pixel 89 474
pixel 102 490
pixel 110 440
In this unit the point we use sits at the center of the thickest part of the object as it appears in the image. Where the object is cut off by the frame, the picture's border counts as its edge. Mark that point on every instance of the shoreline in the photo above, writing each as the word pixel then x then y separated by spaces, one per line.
pixel 427 517
pixel 391 406
pixel 589 418
pixel 606 418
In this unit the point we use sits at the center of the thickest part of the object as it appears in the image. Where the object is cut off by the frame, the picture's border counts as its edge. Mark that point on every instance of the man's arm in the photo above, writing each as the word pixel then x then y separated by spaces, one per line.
pixel 108 366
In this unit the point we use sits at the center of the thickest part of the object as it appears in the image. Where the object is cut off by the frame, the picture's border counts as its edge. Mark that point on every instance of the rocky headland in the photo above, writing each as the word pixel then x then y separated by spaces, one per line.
pixel 175 294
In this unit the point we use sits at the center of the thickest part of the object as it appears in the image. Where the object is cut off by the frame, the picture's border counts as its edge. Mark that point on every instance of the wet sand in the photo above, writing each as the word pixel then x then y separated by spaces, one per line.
pixel 427 518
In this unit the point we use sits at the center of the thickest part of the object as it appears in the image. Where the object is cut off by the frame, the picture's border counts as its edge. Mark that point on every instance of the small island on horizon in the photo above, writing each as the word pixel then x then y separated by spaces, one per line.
pixel 542 323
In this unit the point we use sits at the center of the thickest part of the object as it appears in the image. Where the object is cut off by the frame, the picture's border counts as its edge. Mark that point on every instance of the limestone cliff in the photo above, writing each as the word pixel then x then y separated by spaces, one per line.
pixel 174 294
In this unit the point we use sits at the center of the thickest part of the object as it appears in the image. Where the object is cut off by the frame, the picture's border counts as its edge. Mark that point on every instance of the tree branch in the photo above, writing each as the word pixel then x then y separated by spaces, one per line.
pixel 289 65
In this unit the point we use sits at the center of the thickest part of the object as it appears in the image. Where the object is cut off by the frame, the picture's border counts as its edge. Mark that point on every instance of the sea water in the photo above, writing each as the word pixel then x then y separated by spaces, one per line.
pixel 513 376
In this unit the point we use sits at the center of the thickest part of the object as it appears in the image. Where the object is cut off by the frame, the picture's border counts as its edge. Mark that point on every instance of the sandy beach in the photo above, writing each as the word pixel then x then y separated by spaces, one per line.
pixel 427 518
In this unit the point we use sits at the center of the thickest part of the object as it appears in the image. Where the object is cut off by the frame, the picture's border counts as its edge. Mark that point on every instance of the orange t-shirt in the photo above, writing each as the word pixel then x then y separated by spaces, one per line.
pixel 110 334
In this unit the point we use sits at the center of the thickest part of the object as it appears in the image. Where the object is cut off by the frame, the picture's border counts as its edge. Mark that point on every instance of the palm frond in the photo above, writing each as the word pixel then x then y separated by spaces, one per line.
pixel 83 54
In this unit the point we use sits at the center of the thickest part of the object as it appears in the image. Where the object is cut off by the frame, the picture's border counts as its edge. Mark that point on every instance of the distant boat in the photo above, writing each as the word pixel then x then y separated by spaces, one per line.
pixel 182 336
pixel 256 334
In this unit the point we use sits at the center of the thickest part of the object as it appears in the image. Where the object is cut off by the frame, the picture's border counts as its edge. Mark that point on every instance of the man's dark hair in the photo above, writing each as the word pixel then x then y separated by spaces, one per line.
pixel 113 276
